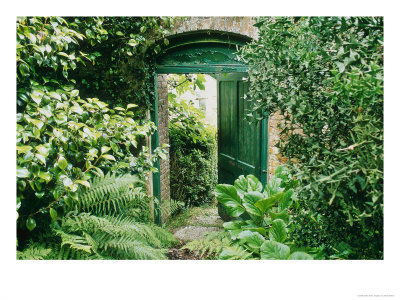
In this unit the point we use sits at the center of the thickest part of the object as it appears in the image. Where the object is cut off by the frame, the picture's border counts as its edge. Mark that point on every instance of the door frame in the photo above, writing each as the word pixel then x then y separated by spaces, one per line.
pixel 173 60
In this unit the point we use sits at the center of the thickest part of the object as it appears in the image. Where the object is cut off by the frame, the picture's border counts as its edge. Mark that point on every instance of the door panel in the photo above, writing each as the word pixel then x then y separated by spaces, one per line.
pixel 239 142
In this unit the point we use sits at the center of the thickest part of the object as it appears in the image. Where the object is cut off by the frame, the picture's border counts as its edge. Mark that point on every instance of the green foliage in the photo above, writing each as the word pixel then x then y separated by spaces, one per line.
pixel 193 149
pixel 65 135
pixel 124 49
pixel 34 251
pixel 100 224
pixel 325 76
pixel 211 246
pixel 259 214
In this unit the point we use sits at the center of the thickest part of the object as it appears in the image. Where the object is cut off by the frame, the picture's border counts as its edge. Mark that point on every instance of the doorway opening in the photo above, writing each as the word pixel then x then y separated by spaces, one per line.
pixel 192 125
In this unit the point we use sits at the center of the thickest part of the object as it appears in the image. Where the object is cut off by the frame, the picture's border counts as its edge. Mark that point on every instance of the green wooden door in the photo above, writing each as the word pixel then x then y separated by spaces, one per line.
pixel 241 145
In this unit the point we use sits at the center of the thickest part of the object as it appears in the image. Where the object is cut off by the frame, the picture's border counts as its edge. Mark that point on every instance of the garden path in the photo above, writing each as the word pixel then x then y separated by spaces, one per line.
pixel 193 224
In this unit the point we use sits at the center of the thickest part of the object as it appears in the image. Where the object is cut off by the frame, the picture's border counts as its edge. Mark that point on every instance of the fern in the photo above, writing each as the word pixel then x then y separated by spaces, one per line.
pixel 118 237
pixel 34 251
pixel 212 245
pixel 101 224
pixel 235 252
pixel 110 195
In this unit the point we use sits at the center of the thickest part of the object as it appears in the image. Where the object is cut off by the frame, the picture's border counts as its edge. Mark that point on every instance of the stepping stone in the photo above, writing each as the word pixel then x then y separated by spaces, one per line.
pixel 191 233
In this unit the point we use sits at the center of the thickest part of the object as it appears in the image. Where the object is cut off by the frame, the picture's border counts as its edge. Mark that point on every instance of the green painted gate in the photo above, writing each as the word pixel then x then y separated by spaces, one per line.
pixel 241 145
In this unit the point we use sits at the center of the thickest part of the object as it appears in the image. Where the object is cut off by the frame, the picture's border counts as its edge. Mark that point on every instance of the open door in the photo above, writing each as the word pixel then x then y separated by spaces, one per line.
pixel 242 146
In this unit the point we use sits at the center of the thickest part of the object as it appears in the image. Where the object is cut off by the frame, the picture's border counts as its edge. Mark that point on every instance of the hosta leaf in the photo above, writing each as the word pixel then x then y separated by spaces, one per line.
pixel 286 200
pixel 252 239
pixel 253 183
pixel 249 199
pixel 264 204
pixel 300 256
pixel 278 231
pixel 227 195
pixel 241 185
pixel 273 187
pixel 274 250
pixel 284 215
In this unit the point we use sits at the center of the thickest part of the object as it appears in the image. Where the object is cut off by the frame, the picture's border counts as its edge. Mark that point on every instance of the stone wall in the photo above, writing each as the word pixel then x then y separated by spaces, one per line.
pixel 163 132
pixel 274 157
pixel 240 25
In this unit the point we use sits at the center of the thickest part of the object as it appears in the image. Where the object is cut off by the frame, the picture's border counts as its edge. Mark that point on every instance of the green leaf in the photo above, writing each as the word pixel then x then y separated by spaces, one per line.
pixel 227 195
pixel 241 185
pixel 22 172
pixel 23 149
pixel 274 250
pixel 131 106
pixel 252 239
pixel 45 175
pixel 286 200
pixel 30 224
pixel 249 199
pixel 284 215
pixel 39 124
pixel 105 149
pixel 37 96
pixel 253 183
pixel 41 158
pixel 62 162
pixel 278 231
pixel 83 182
pixel 265 204
pixel 300 256
pixel 53 213
pixel 108 156
pixel 43 150
pixel 54 95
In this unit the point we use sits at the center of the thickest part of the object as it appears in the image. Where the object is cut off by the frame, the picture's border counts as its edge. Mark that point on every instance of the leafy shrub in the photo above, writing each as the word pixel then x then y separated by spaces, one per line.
pixel 261 218
pixel 64 140
pixel 325 76
pixel 193 153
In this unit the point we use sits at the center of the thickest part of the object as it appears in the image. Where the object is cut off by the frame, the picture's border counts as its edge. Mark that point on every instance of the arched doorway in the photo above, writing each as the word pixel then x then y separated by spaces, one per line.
pixel 242 147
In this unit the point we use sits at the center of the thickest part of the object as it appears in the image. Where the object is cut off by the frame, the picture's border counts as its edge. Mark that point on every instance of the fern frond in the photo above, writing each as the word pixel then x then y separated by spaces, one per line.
pixel 235 252
pixel 34 251
pixel 109 194
pixel 213 244
pixel 120 237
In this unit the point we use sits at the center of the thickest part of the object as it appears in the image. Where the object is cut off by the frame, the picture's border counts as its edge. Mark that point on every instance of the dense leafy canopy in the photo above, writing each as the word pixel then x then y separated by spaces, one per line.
pixel 325 76
pixel 65 134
